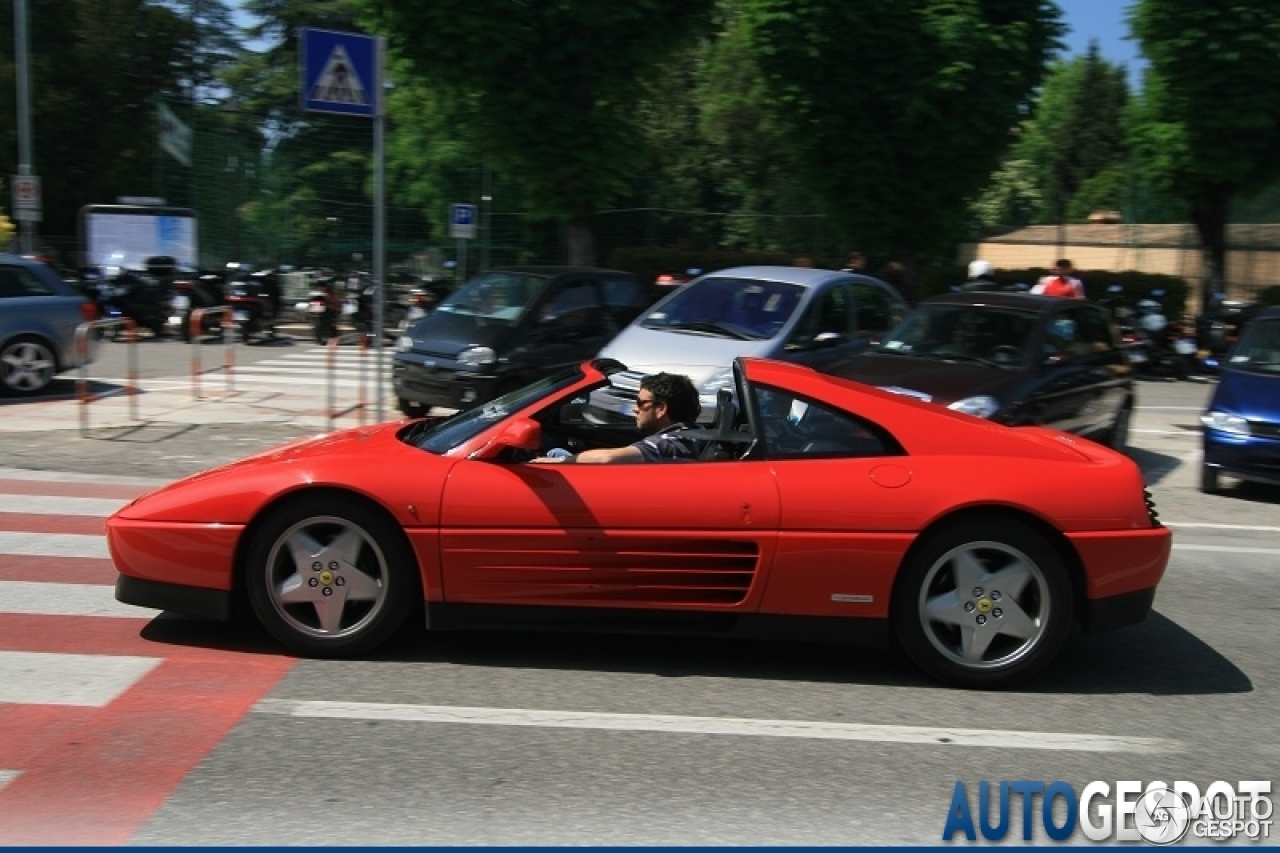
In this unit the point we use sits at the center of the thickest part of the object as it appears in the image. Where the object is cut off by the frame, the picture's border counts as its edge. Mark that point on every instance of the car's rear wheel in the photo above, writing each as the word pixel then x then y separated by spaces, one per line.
pixel 330 576
pixel 27 366
pixel 983 604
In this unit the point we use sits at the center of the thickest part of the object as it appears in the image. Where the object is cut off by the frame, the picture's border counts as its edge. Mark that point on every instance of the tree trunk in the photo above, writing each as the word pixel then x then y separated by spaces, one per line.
pixel 581 240
pixel 1209 214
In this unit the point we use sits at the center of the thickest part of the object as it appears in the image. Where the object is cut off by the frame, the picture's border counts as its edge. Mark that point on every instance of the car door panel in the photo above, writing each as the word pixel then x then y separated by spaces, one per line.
pixel 696 534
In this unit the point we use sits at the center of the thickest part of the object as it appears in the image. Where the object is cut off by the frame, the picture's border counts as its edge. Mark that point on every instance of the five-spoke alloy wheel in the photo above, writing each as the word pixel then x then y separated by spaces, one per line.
pixel 983 604
pixel 331 577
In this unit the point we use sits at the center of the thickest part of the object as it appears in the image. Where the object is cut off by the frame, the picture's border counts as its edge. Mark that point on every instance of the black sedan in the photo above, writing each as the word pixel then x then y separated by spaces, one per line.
pixel 1013 358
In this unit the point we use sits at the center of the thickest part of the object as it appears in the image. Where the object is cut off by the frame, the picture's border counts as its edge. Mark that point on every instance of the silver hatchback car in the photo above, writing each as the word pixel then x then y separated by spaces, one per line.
pixel 800 314
pixel 39 314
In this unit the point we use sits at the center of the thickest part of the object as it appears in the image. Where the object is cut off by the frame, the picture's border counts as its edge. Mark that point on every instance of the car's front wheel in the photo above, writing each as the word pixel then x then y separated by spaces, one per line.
pixel 983 604
pixel 27 366
pixel 330 576
pixel 1209 480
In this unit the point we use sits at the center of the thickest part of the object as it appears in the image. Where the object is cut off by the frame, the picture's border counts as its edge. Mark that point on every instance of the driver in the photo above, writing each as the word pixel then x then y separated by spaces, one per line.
pixel 666 407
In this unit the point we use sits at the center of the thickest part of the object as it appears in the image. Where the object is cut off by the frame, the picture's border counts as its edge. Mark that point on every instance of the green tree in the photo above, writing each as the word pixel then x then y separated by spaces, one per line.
pixel 1076 138
pixel 901 109
pixel 546 92
pixel 96 68
pixel 1208 125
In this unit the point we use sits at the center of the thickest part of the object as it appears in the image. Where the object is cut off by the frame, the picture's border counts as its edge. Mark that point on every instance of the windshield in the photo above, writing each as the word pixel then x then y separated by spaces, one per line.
pixel 746 309
pixel 496 295
pixel 441 436
pixel 1259 348
pixel 976 332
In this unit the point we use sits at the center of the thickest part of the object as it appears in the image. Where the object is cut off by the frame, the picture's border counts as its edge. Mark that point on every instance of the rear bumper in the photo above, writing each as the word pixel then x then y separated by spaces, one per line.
pixel 1103 614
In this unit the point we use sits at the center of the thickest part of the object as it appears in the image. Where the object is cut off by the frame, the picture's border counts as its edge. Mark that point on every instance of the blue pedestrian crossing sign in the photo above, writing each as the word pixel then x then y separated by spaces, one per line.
pixel 462 221
pixel 341 72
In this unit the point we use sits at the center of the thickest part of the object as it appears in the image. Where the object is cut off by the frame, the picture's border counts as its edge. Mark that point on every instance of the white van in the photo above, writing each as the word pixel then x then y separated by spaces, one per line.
pixel 812 316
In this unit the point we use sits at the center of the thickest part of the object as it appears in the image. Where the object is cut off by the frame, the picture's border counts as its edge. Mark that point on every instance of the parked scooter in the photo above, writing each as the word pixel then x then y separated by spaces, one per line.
pixel 124 293
pixel 1164 348
pixel 190 294
pixel 255 304
pixel 323 308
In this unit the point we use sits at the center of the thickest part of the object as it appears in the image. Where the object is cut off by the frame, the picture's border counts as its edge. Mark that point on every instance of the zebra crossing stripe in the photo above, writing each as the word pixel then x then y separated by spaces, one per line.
pixel 40 678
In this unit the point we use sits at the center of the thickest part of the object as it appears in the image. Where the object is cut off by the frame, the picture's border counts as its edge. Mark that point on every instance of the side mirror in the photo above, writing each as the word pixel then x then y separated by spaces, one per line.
pixel 518 433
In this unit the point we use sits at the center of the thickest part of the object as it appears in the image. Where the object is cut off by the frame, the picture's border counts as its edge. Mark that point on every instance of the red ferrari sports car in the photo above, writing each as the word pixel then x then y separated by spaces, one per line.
pixel 820 508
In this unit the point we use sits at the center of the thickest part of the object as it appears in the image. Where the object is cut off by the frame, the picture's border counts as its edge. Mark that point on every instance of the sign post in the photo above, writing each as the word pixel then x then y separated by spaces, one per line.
pixel 342 74
pixel 26 198
pixel 462 226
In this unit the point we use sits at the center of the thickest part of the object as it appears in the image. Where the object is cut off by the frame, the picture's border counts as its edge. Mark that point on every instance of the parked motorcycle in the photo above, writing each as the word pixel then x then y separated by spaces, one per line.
pixel 255 304
pixel 137 295
pixel 192 293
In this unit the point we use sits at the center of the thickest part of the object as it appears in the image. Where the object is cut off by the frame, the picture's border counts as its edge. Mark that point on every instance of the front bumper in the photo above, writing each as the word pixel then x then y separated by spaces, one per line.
pixel 420 379
pixel 1253 457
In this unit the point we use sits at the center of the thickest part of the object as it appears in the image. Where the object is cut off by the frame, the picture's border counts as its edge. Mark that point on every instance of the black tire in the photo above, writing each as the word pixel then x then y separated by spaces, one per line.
pixel 359 586
pixel 983 604
pixel 27 366
pixel 1209 480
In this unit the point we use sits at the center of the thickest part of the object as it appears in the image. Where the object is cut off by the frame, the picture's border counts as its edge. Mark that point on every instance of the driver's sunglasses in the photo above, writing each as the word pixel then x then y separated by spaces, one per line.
pixel 641 405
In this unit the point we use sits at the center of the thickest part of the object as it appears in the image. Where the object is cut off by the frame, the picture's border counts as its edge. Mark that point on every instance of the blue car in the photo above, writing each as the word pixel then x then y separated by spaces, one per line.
pixel 39 314
pixel 1242 423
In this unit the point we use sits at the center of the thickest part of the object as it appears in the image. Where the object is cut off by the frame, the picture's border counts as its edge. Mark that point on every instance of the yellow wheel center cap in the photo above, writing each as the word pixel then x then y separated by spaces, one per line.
pixel 326 578
pixel 984 605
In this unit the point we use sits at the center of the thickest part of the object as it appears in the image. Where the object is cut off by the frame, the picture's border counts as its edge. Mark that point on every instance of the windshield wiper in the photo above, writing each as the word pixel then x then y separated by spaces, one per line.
pixel 722 329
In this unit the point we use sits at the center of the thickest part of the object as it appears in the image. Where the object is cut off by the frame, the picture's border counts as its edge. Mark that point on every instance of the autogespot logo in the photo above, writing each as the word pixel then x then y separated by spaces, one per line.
pixel 1157 813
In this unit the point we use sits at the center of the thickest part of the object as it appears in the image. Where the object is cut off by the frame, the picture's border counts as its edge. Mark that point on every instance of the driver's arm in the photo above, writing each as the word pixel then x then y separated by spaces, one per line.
pixel 599 455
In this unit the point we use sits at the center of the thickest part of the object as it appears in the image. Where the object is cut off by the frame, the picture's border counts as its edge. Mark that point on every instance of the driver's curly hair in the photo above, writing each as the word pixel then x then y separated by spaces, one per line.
pixel 677 392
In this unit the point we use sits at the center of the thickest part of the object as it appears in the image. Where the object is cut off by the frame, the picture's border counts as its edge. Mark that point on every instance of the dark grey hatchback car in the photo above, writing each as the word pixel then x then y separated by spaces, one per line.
pixel 507 327
pixel 1013 358
pixel 39 314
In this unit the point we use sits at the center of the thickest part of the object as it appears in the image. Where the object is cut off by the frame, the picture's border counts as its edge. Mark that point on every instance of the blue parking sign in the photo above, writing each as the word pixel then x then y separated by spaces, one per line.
pixel 341 72
pixel 462 221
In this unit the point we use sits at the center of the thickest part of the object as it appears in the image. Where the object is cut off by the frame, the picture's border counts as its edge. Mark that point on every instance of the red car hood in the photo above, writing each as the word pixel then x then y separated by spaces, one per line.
pixel 234 493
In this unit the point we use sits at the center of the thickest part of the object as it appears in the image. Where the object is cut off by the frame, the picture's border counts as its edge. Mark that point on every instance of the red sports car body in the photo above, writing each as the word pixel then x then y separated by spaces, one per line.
pixel 820 508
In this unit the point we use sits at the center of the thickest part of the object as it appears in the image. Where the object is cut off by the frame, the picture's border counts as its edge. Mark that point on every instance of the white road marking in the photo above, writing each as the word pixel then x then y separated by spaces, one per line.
pixel 75 477
pixel 44 545
pixel 42 678
pixel 46 505
pixel 36 598
pixel 668 723
pixel 7 776
pixel 1228 549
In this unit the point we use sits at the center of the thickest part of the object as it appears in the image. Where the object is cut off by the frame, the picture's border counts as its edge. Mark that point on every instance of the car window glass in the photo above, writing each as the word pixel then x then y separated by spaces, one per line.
pixel 15 282
pixel 1259 347
pixel 496 295
pixel 874 309
pixel 1079 330
pixel 750 308
pixel 622 292
pixel 441 436
pixel 574 307
pixel 799 427
pixel 828 314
